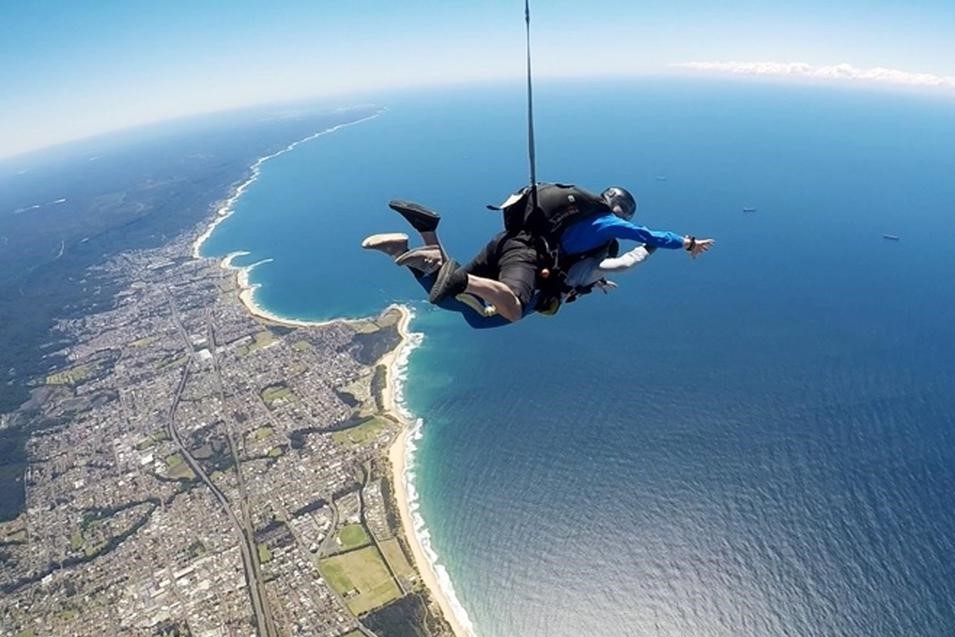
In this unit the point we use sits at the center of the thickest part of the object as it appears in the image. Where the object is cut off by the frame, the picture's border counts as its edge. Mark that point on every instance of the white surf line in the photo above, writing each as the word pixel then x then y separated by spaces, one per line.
pixel 419 529
pixel 227 206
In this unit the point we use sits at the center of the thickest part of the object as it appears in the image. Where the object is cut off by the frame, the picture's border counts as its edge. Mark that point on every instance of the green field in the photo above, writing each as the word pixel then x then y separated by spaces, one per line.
pixel 352 536
pixel 361 434
pixel 302 346
pixel 397 560
pixel 158 436
pixel 72 376
pixel 261 433
pixel 365 326
pixel 262 339
pixel 177 468
pixel 277 393
pixel 362 578
pixel 265 555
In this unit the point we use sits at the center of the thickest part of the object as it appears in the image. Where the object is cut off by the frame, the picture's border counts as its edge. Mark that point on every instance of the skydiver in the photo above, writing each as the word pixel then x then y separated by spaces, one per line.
pixel 542 242
pixel 423 263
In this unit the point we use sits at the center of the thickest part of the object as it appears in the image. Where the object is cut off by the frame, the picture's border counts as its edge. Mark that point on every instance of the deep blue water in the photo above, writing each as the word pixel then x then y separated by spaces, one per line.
pixel 756 443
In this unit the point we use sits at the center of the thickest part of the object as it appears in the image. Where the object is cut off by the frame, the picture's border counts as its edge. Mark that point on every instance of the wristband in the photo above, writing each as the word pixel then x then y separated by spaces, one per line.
pixel 692 245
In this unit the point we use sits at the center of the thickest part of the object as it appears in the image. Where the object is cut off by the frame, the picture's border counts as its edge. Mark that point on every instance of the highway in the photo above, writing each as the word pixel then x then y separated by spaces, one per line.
pixel 265 626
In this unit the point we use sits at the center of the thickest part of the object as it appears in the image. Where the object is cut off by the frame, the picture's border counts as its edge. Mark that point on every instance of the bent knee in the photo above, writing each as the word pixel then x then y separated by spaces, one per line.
pixel 512 311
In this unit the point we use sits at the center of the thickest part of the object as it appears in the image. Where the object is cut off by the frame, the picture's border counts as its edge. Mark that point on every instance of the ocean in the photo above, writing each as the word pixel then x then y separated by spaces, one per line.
pixel 758 442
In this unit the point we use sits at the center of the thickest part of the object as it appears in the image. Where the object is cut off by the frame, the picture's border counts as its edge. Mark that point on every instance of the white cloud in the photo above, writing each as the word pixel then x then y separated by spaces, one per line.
pixel 832 72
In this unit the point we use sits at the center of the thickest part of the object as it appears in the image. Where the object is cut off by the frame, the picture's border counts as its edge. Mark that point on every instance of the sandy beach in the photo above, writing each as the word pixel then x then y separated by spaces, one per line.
pixel 247 290
pixel 397 454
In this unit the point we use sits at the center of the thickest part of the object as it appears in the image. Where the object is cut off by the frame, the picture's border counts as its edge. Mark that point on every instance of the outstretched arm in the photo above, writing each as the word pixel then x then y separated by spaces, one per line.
pixel 587 235
pixel 656 239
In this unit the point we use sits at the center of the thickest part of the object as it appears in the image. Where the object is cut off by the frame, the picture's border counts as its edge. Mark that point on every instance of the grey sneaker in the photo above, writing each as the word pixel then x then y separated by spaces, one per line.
pixel 392 243
pixel 425 260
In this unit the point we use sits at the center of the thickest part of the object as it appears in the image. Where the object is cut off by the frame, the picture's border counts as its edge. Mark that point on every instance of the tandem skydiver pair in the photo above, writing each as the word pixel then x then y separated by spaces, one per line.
pixel 559 243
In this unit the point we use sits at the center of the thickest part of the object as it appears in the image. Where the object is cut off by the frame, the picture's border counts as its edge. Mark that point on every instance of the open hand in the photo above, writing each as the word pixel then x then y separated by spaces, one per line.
pixel 701 246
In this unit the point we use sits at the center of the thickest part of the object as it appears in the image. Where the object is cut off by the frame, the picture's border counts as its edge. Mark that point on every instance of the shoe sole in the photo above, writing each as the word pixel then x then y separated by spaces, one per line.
pixel 376 240
pixel 420 218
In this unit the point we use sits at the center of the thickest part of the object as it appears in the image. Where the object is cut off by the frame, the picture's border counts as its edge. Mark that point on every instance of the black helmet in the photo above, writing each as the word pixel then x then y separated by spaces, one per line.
pixel 615 197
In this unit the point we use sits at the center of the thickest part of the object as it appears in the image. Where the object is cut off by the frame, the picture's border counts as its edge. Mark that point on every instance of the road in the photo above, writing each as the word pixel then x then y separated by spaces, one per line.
pixel 263 620
pixel 246 522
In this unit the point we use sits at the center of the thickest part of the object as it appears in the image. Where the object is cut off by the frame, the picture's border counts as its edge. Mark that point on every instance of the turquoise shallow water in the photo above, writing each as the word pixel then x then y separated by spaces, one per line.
pixel 757 443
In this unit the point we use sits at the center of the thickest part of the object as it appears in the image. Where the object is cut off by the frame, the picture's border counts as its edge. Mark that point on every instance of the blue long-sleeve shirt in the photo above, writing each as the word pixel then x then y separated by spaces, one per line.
pixel 594 232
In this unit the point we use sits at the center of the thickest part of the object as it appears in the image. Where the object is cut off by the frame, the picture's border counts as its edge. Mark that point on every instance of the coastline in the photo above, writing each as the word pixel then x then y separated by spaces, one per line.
pixel 400 452
pixel 226 207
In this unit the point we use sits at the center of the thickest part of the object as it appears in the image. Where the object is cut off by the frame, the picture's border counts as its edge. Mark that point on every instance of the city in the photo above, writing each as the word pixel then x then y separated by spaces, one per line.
pixel 198 471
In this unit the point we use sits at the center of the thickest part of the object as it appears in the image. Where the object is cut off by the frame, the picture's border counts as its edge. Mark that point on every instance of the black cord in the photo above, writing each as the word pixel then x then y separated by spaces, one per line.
pixel 530 107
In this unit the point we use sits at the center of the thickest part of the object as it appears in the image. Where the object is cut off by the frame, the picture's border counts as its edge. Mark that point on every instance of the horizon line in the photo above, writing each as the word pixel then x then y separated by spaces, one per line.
pixel 843 74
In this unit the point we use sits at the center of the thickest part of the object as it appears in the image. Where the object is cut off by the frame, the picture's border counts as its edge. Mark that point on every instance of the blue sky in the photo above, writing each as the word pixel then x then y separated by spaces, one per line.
pixel 72 69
